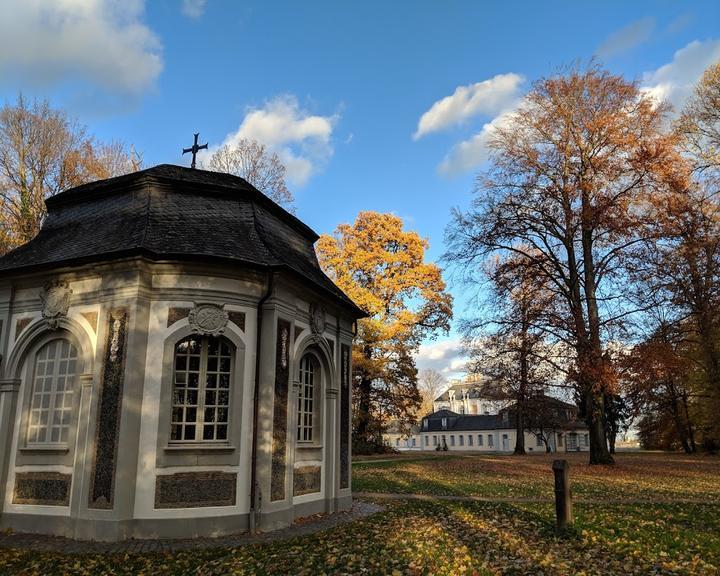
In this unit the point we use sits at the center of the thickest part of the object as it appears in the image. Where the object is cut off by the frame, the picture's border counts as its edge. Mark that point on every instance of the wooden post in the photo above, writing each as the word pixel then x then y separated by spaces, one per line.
pixel 563 498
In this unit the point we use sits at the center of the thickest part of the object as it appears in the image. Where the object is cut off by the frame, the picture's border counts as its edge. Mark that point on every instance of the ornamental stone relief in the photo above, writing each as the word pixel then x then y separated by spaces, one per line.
pixel 55 298
pixel 208 319
pixel 317 319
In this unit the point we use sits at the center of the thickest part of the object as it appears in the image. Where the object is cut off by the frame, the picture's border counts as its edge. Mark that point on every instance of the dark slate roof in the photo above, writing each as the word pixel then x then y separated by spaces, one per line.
pixel 170 212
pixel 463 422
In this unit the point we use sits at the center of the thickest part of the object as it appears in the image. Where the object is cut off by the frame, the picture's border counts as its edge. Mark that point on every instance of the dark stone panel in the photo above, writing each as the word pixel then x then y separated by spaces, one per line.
pixel 176 314
pixel 20 326
pixel 195 490
pixel 92 318
pixel 279 442
pixel 1 328
pixel 344 416
pixel 298 331
pixel 238 318
pixel 43 488
pixel 331 344
pixel 306 480
pixel 109 409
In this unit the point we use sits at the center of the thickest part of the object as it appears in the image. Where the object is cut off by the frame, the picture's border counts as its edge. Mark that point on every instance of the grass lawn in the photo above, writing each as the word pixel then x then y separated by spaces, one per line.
pixel 635 476
pixel 459 537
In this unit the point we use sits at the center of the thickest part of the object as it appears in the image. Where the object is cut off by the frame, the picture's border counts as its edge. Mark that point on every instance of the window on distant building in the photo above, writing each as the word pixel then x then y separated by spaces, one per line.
pixel 427 440
pixel 443 422
pixel 586 439
pixel 434 440
pixel 452 440
pixel 560 439
pixel 538 440
pixel 413 442
pixel 480 439
pixel 462 440
pixel 490 440
pixel 470 440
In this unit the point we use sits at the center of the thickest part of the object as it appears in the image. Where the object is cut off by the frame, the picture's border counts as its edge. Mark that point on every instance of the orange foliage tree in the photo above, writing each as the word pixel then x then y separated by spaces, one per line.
pixel 382 267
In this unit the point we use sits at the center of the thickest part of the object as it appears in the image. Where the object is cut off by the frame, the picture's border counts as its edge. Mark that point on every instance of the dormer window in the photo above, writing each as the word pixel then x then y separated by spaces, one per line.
pixel 444 423
pixel 425 423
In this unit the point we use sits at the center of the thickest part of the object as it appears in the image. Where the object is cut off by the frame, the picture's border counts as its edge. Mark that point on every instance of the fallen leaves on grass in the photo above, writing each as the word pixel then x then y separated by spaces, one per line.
pixel 413 538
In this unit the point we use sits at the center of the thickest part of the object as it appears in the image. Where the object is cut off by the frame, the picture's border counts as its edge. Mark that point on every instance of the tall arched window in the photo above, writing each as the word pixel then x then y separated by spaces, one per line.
pixel 306 398
pixel 52 395
pixel 201 389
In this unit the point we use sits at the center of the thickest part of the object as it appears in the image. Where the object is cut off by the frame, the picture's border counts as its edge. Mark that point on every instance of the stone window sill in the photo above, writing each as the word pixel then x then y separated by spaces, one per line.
pixel 45 449
pixel 308 445
pixel 198 448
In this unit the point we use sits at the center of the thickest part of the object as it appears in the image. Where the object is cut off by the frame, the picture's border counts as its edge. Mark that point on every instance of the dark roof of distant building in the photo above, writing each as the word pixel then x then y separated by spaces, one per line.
pixel 173 213
pixel 463 422
pixel 504 420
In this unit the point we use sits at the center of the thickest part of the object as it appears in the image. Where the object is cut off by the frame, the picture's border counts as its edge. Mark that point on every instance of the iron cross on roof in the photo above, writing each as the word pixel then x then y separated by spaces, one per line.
pixel 195 148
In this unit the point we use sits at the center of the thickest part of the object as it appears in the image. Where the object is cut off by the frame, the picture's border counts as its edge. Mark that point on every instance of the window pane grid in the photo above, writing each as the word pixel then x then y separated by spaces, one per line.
pixel 51 404
pixel 201 390
pixel 305 399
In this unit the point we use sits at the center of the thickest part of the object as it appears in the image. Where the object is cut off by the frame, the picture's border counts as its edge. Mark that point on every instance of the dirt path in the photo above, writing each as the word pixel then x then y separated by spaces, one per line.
pixel 42 543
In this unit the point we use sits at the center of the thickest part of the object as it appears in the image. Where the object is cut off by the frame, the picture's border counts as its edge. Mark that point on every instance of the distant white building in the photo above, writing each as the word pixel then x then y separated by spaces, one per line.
pixel 551 425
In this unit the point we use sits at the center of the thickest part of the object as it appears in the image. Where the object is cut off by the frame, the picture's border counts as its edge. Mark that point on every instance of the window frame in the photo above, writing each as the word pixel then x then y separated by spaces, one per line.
pixel 53 394
pixel 202 393
pixel 300 410
pixel 60 454
pixel 191 454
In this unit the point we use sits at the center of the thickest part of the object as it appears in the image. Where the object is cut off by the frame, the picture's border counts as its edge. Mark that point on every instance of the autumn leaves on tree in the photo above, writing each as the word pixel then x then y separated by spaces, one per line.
pixel 382 268
pixel 44 151
pixel 570 173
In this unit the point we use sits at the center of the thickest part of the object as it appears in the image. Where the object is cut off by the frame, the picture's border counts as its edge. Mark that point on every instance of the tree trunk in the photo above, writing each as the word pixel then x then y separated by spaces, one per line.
pixel 363 407
pixel 599 453
pixel 520 428
pixel 689 427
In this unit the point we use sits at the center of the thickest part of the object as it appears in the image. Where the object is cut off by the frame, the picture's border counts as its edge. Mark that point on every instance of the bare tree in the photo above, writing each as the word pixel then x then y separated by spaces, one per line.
pixel 42 152
pixel 508 343
pixel 430 384
pixel 255 163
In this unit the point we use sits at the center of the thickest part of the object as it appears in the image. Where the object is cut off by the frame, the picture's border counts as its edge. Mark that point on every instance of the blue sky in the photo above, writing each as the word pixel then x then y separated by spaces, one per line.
pixel 373 105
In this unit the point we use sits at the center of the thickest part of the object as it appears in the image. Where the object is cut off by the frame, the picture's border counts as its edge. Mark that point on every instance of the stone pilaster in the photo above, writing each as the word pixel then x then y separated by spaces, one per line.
pixel 109 410
pixel 8 405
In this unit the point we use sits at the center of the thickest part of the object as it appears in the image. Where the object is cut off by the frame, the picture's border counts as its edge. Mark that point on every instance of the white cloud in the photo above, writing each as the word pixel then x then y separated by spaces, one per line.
pixel 675 81
pixel 302 140
pixel 193 8
pixel 103 42
pixel 488 97
pixel 471 153
pixel 626 38
pixel 445 356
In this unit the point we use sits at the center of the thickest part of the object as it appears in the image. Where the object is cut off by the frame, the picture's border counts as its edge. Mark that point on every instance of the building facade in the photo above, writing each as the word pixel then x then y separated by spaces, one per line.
pixel 555 428
pixel 174 364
